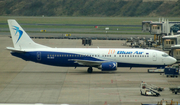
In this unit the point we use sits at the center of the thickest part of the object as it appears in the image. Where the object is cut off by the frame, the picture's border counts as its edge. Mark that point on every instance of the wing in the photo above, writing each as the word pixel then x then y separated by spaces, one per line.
pixel 88 62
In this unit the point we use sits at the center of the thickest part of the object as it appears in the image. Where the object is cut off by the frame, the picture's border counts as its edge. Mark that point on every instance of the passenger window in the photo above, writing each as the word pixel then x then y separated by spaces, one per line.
pixel 122 55
pixel 119 55
pixel 114 55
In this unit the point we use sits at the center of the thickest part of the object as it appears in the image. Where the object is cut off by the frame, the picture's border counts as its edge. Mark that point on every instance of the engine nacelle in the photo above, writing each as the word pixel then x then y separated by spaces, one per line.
pixel 108 66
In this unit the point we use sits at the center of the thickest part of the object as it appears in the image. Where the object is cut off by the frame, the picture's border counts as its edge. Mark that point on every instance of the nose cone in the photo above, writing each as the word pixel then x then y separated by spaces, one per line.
pixel 169 61
pixel 174 60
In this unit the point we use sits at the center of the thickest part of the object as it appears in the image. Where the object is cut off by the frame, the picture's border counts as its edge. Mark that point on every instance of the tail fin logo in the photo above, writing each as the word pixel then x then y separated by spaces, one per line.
pixel 18 31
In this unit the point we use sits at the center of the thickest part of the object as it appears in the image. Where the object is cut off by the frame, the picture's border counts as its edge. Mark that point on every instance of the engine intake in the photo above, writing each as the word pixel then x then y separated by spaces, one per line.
pixel 108 66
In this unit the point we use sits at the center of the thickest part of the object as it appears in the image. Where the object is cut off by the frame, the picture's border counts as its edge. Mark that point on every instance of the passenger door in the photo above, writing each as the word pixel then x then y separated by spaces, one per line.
pixel 38 56
pixel 154 56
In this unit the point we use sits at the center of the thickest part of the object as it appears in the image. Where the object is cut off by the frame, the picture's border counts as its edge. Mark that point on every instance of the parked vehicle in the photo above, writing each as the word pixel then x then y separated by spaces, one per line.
pixel 148 91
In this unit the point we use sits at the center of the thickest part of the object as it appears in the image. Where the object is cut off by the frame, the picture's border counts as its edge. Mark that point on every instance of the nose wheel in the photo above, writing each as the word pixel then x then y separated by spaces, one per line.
pixel 89 70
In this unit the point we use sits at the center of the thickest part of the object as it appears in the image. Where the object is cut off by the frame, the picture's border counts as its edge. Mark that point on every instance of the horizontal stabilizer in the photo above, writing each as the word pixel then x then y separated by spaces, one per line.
pixel 15 50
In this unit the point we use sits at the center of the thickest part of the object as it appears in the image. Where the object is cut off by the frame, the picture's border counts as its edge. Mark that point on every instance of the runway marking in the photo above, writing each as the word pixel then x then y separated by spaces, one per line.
pixel 111 81
pixel 105 103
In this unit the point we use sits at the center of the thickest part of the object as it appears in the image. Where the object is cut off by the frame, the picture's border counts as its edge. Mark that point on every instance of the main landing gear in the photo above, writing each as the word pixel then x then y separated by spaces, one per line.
pixel 89 70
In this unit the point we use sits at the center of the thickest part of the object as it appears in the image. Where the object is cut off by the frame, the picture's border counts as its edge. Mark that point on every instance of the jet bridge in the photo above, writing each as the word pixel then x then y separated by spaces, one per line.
pixel 175 52
pixel 146 26
pixel 158 28
pixel 168 41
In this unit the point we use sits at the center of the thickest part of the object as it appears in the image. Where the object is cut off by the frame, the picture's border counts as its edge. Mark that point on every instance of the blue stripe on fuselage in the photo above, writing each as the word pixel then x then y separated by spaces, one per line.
pixel 54 58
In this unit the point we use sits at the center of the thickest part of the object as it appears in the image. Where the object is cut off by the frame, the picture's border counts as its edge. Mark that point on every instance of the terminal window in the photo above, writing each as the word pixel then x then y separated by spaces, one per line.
pixel 172 42
pixel 169 42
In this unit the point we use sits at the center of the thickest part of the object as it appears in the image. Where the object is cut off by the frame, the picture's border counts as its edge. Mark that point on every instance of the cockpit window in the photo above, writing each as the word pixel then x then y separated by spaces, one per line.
pixel 165 55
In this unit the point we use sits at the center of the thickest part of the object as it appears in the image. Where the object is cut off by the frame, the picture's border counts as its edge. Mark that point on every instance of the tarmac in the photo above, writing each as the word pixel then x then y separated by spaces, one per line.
pixel 25 82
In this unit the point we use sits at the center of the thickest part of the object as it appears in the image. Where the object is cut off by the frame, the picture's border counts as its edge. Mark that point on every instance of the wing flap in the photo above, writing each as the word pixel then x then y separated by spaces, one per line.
pixel 88 62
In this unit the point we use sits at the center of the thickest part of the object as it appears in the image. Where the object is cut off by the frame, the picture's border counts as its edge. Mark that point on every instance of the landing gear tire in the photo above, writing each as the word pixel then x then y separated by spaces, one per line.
pixel 157 94
pixel 89 70
pixel 175 92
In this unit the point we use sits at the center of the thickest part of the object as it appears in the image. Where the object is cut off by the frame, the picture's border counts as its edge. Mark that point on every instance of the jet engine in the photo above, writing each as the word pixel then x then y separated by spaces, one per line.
pixel 108 66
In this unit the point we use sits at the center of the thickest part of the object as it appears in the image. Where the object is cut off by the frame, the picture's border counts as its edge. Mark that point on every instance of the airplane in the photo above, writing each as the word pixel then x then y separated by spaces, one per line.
pixel 105 59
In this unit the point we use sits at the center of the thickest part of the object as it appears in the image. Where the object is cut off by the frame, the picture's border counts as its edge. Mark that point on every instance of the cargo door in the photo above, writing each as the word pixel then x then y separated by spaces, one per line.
pixel 154 56
pixel 38 56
